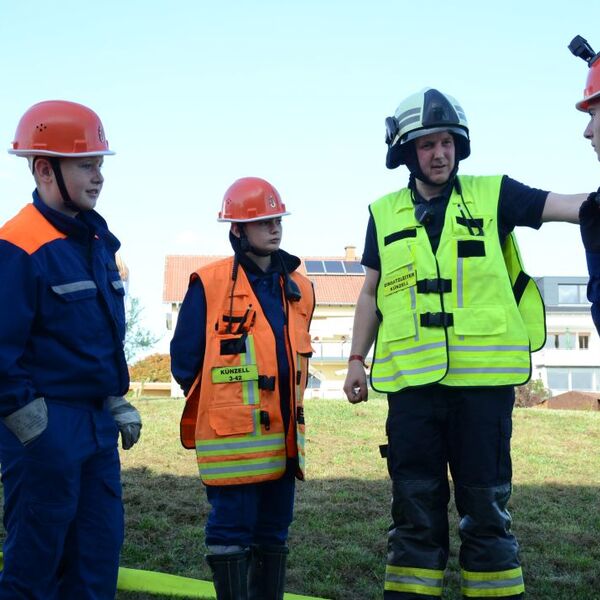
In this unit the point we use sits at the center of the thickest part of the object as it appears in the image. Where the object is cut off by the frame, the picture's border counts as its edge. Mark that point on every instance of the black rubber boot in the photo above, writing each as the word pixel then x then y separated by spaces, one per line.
pixel 266 577
pixel 230 574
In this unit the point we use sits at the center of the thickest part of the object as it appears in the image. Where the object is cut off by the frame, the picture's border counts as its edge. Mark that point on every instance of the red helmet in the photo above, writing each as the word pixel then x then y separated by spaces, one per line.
pixel 60 128
pixel 251 199
pixel 592 87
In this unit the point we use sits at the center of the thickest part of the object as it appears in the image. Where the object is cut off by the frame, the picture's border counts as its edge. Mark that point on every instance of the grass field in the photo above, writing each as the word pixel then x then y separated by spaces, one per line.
pixel 338 537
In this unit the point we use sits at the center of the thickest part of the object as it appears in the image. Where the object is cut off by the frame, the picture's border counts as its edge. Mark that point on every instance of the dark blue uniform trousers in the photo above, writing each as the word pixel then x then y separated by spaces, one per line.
pixel 468 430
pixel 63 511
pixel 253 513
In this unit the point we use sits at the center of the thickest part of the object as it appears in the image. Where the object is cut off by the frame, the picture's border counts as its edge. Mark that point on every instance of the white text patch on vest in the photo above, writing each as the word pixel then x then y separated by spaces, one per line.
pixel 230 374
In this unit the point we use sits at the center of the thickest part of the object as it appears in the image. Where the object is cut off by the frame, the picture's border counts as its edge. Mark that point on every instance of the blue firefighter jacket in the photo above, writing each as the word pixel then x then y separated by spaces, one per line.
pixel 62 316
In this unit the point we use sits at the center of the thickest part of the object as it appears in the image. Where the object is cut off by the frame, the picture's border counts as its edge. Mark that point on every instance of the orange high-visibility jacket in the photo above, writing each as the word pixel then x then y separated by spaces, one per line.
pixel 232 415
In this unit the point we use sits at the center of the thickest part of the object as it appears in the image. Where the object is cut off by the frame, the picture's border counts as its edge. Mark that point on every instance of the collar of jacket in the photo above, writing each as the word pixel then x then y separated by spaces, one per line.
pixel 280 260
pixel 444 194
pixel 84 226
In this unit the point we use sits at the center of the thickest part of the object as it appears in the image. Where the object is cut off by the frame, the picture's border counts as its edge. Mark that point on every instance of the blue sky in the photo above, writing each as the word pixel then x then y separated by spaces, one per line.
pixel 195 94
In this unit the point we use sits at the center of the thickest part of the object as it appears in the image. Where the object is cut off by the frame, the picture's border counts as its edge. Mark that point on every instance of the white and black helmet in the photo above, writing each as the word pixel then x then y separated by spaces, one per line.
pixel 427 111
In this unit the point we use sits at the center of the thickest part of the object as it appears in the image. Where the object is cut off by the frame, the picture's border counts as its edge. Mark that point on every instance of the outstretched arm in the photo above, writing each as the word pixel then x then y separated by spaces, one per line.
pixel 563 207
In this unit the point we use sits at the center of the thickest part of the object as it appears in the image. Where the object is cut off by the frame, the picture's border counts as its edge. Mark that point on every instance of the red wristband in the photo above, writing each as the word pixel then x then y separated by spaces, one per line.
pixel 358 357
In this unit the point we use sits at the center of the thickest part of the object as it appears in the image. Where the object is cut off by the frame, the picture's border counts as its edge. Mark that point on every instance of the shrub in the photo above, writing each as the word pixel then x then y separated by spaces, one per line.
pixel 156 367
pixel 530 394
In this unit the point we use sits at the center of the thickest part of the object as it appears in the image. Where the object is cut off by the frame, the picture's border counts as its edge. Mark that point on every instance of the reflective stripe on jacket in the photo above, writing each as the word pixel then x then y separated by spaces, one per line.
pixel 466 316
pixel 233 414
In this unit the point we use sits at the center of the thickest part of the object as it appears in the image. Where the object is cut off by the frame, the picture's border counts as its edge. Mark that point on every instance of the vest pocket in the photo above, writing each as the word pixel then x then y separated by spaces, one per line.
pixel 396 257
pixel 231 420
pixel 479 321
pixel 303 340
pixel 398 326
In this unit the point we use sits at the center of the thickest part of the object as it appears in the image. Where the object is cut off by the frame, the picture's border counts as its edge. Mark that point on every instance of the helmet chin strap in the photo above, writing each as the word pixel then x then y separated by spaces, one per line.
pixel 412 163
pixel 60 182
pixel 245 244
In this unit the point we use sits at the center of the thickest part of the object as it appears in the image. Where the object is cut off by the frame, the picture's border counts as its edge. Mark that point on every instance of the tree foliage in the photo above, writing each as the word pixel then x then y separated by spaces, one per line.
pixel 137 337
pixel 156 367
pixel 530 394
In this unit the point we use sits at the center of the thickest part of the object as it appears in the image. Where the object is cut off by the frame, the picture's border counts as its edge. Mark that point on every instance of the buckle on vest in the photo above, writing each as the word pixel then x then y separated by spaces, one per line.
pixel 266 383
pixel 265 419
pixel 441 319
pixel 235 345
pixel 434 286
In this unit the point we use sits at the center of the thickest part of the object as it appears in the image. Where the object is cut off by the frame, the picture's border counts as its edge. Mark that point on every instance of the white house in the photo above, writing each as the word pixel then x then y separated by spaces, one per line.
pixel 570 359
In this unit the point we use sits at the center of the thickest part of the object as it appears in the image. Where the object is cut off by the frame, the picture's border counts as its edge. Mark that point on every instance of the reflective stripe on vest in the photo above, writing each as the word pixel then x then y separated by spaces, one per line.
pixel 493 584
pixel 452 317
pixel 418 581
pixel 244 457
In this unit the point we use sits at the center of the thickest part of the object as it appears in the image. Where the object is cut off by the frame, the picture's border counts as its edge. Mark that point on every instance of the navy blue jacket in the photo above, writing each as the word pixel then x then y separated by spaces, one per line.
pixel 62 316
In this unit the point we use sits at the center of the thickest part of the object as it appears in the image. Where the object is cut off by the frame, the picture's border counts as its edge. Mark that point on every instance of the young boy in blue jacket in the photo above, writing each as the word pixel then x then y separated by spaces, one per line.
pixel 62 368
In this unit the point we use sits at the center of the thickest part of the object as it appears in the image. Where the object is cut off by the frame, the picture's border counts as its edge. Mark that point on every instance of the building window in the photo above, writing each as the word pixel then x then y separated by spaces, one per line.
pixel 584 341
pixel 313 382
pixel 558 379
pixel 572 294
pixel 562 341
pixel 583 379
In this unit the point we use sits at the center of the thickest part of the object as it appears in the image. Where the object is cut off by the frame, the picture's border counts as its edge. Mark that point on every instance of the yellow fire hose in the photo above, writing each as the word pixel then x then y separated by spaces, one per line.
pixel 136 580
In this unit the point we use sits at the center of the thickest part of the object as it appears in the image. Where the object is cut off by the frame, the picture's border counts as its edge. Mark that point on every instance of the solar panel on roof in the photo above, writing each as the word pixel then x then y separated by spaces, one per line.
pixel 314 266
pixel 333 266
pixel 353 267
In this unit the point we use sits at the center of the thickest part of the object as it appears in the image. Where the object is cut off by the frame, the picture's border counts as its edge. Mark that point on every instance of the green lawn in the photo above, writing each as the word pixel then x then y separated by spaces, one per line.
pixel 338 537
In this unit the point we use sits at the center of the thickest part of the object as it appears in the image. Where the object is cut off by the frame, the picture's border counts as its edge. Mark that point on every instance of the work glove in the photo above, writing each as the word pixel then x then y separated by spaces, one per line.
pixel 589 222
pixel 128 420
pixel 29 421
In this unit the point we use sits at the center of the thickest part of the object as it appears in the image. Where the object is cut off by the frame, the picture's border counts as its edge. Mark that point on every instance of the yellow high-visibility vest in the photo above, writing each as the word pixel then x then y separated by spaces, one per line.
pixel 467 315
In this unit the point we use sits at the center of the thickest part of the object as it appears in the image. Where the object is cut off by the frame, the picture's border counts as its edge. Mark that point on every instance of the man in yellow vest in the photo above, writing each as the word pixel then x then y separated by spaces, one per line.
pixel 240 352
pixel 454 319
pixel 589 215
